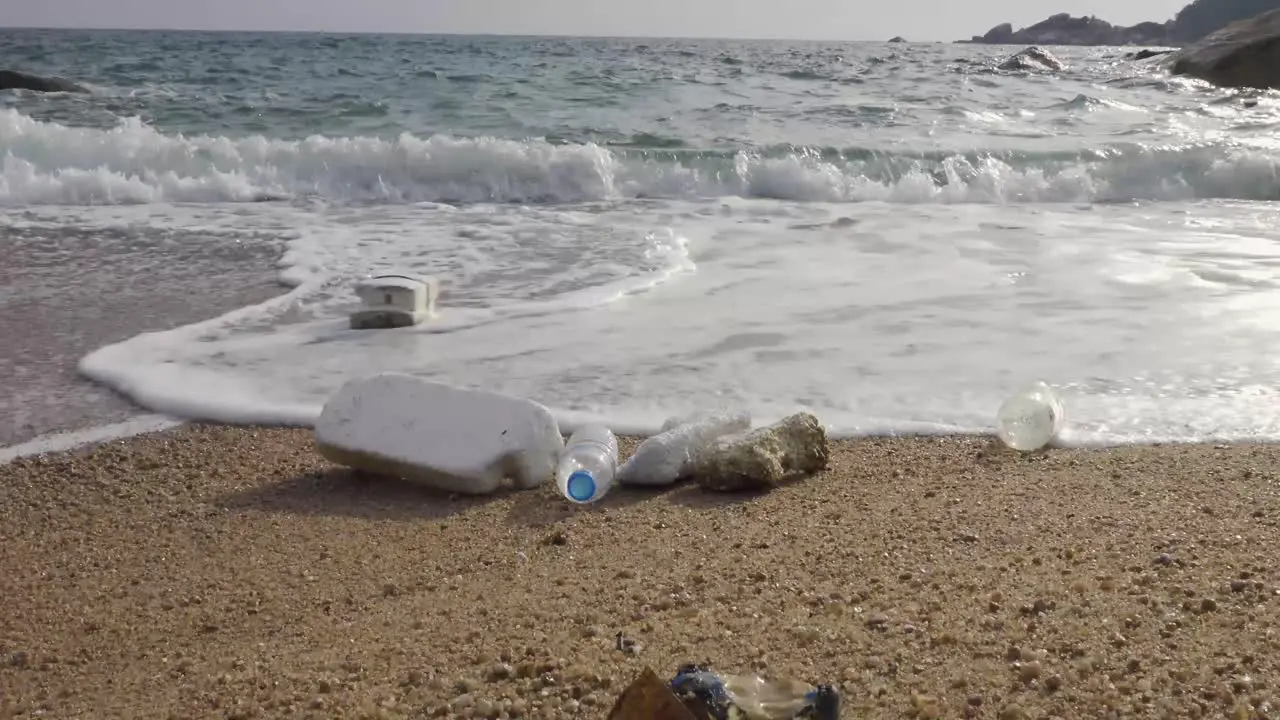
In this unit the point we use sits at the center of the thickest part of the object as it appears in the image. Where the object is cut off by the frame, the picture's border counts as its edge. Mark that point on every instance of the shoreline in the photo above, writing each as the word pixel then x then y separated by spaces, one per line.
pixel 53 331
pixel 231 571
pixel 143 423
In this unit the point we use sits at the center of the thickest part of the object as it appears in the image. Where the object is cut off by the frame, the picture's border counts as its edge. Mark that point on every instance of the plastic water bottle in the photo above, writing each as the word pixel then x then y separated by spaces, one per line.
pixel 588 464
pixel 1030 419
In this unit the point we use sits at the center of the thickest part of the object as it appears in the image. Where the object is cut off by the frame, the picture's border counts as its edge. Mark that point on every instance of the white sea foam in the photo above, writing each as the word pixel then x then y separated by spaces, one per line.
pixel 625 289
pixel 59 442
pixel 879 318
pixel 45 163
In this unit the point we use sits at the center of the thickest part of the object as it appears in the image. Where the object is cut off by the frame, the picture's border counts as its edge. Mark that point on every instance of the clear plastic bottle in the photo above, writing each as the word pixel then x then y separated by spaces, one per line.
pixel 588 464
pixel 1030 420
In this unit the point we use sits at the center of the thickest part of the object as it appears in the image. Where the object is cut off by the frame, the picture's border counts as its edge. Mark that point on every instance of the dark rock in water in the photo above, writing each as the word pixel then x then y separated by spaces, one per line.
pixel 898 39
pixel 1244 54
pixel 1032 58
pixel 1147 53
pixel 13 80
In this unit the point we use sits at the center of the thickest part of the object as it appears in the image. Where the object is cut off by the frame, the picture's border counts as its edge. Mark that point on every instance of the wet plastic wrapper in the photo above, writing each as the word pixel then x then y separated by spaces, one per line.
pixel 748 697
pixel 666 457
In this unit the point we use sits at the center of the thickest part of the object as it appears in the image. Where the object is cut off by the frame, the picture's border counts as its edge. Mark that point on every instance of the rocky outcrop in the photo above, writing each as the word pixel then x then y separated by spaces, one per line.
pixel 1033 59
pixel 898 39
pixel 1244 54
pixel 1063 29
pixel 13 80
pixel 1148 53
pixel 1201 18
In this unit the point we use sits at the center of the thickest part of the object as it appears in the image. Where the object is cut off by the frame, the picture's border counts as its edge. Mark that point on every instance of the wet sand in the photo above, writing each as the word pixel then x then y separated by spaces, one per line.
pixel 230 572
pixel 62 297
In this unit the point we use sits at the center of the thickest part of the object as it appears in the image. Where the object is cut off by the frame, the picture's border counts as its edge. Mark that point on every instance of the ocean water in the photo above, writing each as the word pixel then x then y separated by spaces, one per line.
pixel 893 237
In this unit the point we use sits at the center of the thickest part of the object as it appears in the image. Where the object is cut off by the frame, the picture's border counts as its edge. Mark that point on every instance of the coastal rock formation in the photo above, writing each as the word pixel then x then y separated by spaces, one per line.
pixel 1032 58
pixel 1195 21
pixel 897 39
pixel 1202 18
pixel 1063 29
pixel 13 80
pixel 1242 54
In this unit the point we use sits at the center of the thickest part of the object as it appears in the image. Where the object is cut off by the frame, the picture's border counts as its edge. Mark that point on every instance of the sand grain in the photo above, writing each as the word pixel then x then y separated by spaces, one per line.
pixel 223 572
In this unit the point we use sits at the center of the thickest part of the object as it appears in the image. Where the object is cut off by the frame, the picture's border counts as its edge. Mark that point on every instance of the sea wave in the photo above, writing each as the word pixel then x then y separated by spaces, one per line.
pixel 46 163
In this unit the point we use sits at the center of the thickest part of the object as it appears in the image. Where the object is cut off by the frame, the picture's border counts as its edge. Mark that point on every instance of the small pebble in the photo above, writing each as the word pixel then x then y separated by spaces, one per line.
pixel 500 671
pixel 1012 712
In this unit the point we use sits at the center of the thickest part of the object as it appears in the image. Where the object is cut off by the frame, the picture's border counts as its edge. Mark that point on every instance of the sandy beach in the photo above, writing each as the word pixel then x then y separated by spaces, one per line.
pixel 230 572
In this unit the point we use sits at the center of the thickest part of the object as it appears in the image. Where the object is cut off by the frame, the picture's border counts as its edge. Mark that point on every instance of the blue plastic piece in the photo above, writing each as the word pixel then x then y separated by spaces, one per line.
pixel 582 487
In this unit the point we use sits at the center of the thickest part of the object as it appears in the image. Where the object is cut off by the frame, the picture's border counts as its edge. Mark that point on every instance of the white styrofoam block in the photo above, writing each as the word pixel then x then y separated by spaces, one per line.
pixel 456 440
pixel 389 301
pixel 405 292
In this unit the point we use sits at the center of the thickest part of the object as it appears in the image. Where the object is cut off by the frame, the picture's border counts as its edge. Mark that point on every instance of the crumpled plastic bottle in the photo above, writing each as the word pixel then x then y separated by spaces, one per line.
pixel 666 457
pixel 1031 418
pixel 755 698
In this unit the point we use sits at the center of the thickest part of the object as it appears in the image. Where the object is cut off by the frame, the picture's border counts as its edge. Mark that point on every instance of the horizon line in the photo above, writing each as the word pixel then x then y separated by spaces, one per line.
pixel 406 33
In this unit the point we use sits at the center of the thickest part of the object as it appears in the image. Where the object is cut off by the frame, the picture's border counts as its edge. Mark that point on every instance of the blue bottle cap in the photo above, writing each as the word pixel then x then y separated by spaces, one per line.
pixel 581 486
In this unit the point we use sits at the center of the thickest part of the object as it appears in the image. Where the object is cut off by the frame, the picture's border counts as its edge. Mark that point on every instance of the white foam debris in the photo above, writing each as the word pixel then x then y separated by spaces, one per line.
pixel 393 301
pixel 452 439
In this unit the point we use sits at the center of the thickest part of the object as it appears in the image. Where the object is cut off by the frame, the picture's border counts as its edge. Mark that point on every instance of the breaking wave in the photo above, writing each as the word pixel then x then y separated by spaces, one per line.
pixel 46 163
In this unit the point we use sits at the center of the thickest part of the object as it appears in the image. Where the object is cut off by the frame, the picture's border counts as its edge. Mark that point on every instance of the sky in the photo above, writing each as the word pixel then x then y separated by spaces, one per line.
pixel 793 19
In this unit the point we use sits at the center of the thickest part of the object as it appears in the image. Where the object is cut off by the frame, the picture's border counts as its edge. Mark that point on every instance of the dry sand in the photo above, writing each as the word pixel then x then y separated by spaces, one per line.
pixel 214 572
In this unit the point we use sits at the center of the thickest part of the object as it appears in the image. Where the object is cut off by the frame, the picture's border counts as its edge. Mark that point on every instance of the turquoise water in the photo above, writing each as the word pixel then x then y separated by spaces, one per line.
pixel 892 106
pixel 892 236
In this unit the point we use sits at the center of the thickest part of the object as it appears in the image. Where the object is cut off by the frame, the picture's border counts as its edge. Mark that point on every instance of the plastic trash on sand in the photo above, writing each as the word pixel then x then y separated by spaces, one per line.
pixel 447 438
pixel 588 464
pixel 1030 419
pixel 667 457
pixel 649 698
pixel 702 694
pixel 755 698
